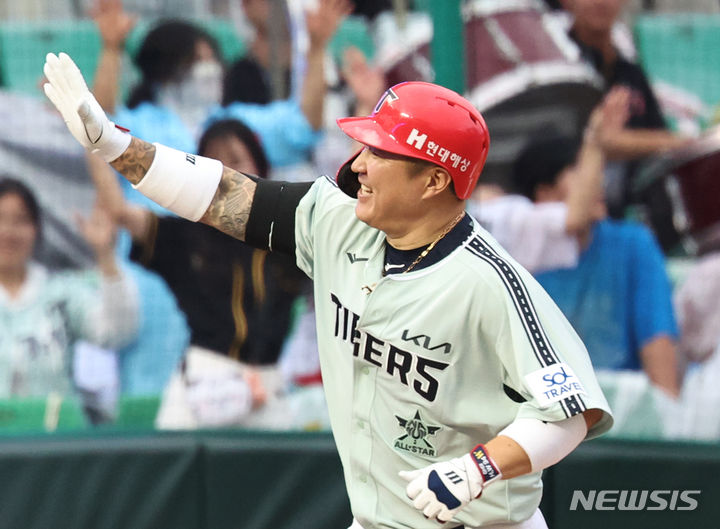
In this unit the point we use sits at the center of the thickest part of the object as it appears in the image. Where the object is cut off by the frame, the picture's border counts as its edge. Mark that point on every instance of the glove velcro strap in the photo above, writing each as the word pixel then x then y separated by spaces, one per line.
pixel 488 469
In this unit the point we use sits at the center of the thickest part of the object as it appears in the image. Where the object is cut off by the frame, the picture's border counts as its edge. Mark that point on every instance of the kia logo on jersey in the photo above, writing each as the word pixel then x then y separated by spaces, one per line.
pixel 424 341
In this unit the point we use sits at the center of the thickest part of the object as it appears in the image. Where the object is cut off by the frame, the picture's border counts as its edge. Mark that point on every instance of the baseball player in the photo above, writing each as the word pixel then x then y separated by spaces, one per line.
pixel 452 379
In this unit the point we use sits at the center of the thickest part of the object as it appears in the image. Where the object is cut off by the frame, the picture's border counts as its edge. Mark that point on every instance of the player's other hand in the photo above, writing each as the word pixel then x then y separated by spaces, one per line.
pixel 442 489
pixel 87 122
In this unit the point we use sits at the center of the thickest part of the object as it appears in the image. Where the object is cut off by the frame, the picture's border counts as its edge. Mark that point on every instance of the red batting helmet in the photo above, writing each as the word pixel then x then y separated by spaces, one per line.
pixel 425 121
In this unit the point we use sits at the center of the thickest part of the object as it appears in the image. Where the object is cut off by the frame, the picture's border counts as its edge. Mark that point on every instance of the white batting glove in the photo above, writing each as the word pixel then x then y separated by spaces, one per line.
pixel 83 115
pixel 442 489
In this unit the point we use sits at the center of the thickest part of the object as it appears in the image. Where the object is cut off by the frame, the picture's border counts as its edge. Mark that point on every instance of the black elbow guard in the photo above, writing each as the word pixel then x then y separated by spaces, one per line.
pixel 271 224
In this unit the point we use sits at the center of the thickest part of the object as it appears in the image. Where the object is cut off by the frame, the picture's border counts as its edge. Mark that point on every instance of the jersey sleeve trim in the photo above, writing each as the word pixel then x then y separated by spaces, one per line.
pixel 544 352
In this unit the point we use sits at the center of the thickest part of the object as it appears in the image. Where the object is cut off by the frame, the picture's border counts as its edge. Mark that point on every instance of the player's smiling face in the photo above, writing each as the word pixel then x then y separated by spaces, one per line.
pixel 391 189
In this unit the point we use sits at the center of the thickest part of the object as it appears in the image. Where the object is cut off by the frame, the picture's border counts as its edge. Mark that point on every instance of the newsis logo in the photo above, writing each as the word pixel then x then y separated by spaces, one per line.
pixel 635 500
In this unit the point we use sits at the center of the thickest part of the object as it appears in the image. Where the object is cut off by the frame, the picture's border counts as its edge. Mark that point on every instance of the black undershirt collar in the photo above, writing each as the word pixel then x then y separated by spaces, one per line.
pixel 396 261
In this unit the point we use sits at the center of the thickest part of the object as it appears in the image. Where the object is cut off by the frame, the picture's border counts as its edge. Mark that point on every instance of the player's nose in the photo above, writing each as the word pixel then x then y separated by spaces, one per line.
pixel 360 162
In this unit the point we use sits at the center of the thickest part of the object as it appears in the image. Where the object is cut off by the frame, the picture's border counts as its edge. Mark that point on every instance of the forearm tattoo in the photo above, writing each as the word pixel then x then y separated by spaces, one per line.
pixel 230 208
pixel 134 163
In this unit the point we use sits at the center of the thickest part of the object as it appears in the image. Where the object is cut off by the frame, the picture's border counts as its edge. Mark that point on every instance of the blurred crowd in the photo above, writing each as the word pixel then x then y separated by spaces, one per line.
pixel 614 211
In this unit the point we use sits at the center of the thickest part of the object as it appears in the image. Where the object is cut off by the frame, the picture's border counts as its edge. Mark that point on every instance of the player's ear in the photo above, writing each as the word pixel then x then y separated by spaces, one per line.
pixel 438 180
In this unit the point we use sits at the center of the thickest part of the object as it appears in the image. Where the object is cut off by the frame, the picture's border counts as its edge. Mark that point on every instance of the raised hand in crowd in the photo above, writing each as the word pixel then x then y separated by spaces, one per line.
pixel 114 25
pixel 99 230
pixel 321 24
pixel 366 82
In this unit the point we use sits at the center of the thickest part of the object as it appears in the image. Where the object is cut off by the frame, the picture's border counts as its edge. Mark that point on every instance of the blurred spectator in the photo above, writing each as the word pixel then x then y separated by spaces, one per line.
pixel 270 48
pixel 182 84
pixel 288 128
pixel 618 296
pixel 696 414
pixel 371 8
pixel 544 236
pixel 646 133
pixel 238 300
pixel 44 314
pixel 180 81
pixel 697 302
pixel 365 85
pixel 620 34
pixel 180 78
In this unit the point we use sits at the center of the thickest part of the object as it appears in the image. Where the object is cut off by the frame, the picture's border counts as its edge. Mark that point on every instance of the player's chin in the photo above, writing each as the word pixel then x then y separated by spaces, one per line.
pixel 363 211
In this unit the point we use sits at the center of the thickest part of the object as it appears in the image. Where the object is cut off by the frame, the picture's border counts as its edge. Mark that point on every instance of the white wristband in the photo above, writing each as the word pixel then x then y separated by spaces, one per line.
pixel 546 443
pixel 181 182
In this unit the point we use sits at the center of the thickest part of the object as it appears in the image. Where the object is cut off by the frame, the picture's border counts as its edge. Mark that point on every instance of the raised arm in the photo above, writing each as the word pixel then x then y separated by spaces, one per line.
pixel 631 144
pixel 322 23
pixel 194 187
pixel 134 218
pixel 229 208
pixel 114 25
pixel 367 83
pixel 586 188
pixel 114 322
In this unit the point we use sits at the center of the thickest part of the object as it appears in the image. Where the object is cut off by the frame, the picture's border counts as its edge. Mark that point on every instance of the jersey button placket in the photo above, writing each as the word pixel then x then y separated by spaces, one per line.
pixel 363 397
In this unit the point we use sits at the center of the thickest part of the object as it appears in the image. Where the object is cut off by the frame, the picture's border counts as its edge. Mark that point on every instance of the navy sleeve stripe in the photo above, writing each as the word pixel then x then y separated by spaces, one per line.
pixel 542 348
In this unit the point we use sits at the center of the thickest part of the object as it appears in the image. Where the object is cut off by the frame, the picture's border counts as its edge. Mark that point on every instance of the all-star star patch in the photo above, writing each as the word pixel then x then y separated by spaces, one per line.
pixel 414 438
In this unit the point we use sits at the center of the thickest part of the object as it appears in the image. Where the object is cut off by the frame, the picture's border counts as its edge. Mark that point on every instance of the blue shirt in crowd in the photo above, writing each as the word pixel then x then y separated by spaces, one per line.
pixel 285 133
pixel 618 297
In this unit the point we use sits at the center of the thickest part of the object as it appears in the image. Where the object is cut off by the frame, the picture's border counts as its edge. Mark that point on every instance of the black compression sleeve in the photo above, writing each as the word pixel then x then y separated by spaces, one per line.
pixel 271 224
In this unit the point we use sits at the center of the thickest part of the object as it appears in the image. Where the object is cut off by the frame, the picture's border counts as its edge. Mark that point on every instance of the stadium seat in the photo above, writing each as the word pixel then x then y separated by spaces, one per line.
pixel 36 415
pixel 136 413
pixel 354 31
pixel 682 49
pixel 228 39
pixel 24 45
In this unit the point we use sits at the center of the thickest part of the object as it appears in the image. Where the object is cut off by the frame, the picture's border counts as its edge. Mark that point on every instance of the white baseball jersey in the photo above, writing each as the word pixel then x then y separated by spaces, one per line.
pixel 415 371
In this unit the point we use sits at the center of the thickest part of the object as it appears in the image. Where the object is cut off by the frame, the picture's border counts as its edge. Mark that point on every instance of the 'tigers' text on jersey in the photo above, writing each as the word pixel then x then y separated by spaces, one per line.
pixel 412 370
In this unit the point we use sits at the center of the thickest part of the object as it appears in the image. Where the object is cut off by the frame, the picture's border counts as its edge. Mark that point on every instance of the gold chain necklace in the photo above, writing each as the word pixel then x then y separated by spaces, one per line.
pixel 434 243
pixel 369 288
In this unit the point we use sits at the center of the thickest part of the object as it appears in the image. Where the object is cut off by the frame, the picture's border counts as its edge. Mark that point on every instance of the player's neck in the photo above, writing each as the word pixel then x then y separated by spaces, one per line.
pixel 427 230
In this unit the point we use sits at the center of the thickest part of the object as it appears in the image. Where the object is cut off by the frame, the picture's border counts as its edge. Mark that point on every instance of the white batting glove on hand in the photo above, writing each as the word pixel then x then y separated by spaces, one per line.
pixel 442 489
pixel 83 115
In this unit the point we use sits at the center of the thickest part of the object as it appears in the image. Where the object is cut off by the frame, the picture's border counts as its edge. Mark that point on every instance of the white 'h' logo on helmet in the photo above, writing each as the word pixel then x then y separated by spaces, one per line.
pixel 416 138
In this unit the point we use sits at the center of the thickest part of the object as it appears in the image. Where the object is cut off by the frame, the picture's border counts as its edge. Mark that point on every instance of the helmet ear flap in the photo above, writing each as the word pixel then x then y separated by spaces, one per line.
pixel 347 179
